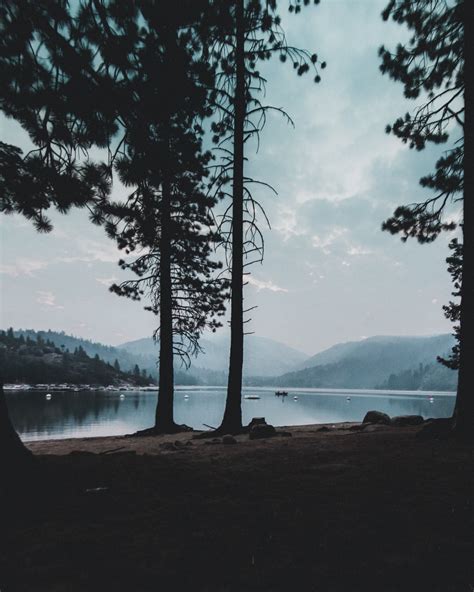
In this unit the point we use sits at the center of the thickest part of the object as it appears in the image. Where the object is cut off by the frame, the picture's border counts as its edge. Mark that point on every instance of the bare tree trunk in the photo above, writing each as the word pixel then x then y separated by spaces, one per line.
pixel 232 421
pixel 164 421
pixel 13 453
pixel 464 411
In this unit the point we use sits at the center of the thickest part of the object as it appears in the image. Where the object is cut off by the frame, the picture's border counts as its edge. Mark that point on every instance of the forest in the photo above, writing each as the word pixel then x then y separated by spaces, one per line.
pixel 41 362
pixel 147 116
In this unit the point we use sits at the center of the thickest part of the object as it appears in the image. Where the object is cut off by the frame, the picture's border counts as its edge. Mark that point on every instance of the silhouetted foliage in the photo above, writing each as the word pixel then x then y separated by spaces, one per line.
pixel 432 65
pixel 47 88
pixel 452 310
pixel 140 51
pixel 244 35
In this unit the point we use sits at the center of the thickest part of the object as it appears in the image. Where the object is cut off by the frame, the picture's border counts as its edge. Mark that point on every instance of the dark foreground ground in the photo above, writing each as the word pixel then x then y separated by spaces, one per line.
pixel 339 510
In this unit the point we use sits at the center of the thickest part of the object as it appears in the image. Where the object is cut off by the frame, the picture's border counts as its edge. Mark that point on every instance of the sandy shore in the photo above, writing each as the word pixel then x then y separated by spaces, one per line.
pixel 377 509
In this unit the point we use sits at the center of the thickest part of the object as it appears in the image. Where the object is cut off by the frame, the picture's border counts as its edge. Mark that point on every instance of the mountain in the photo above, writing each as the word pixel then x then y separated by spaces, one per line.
pixel 263 356
pixel 40 361
pixel 108 353
pixel 370 363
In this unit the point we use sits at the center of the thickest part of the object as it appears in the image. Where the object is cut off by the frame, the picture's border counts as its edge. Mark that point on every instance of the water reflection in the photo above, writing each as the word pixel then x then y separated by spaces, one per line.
pixel 88 414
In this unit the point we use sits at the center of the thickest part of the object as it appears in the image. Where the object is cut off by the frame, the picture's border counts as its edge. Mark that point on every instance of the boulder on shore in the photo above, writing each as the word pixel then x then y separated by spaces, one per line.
pixel 261 430
pixel 376 417
pixel 257 421
pixel 228 439
pixel 406 420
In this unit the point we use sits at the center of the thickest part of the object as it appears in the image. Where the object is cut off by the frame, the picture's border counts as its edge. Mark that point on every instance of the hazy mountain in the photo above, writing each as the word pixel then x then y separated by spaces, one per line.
pixel 385 362
pixel 108 353
pixel 401 351
pixel 263 356
pixel 36 361
pixel 370 363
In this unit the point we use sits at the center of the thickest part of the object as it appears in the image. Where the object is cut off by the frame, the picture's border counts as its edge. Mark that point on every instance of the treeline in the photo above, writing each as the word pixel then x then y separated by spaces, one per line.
pixel 428 377
pixel 40 361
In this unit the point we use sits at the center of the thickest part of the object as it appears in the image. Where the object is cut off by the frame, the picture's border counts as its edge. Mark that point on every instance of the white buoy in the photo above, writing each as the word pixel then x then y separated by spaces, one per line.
pixel 348 399
pixel 48 397
pixel 122 396
pixel 295 398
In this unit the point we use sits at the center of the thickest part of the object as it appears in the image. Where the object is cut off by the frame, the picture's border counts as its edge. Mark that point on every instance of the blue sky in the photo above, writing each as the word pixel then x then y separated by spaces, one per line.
pixel 329 274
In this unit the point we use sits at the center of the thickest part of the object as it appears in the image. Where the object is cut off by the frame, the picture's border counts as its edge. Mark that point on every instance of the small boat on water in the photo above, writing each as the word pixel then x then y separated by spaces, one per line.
pixel 281 393
pixel 252 397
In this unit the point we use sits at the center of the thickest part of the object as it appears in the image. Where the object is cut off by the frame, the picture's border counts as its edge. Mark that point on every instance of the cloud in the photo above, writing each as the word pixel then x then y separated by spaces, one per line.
pixel 106 281
pixel 262 285
pixel 23 266
pixel 358 250
pixel 324 242
pixel 47 298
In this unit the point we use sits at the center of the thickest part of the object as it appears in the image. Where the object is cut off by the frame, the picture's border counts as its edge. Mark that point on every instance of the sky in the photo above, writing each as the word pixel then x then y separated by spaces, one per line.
pixel 330 274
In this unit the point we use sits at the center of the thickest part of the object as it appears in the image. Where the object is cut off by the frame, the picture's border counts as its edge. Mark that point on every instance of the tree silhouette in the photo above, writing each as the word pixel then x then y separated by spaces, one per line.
pixel 246 33
pixel 165 219
pixel 47 89
pixel 432 65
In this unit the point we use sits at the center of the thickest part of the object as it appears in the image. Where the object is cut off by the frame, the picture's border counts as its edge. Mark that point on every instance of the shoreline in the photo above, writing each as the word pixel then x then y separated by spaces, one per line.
pixel 331 509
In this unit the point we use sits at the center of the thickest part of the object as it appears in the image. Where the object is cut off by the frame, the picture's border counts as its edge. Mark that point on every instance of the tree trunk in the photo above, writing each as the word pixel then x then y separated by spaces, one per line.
pixel 164 421
pixel 13 453
pixel 464 411
pixel 232 421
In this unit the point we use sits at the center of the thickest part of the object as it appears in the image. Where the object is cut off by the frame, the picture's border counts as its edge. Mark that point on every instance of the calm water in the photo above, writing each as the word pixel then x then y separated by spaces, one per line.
pixel 87 414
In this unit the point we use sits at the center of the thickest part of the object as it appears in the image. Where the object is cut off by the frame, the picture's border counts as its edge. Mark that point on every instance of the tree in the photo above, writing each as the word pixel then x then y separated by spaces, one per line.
pixel 432 65
pixel 141 50
pixel 246 33
pixel 45 89
pixel 49 92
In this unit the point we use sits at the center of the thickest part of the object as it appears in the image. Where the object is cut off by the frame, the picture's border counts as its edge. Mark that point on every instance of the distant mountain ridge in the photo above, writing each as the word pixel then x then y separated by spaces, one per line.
pixel 390 362
pixel 262 356
pixel 371 362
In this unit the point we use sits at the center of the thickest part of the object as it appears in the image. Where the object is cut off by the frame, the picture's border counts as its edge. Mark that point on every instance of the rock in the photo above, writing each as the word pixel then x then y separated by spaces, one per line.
pixel 228 439
pixel 406 420
pixel 358 427
pixel 257 421
pixel 323 429
pixel 376 417
pixel 179 444
pixel 167 446
pixel 262 430
pixel 435 429
pixel 213 441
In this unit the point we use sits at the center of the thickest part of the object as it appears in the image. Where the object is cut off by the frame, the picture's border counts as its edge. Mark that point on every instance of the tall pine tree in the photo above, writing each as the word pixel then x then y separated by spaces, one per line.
pixel 432 66
pixel 246 33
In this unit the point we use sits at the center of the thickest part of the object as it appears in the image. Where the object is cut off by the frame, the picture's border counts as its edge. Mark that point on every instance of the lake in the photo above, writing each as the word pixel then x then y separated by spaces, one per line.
pixel 98 413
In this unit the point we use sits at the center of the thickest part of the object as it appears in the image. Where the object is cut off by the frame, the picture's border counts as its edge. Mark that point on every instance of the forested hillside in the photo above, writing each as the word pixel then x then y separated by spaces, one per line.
pixel 40 361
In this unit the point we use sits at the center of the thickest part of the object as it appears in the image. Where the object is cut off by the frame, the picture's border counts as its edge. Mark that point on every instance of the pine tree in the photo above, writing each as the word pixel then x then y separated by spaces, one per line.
pixel 433 65
pixel 160 157
pixel 246 33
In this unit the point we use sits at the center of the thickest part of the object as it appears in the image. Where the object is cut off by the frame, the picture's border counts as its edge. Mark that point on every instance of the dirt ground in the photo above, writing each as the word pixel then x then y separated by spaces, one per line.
pixel 377 509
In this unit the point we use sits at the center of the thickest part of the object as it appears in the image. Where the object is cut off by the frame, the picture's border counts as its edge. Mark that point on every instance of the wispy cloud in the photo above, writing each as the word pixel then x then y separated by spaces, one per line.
pixel 262 285
pixel 23 266
pixel 47 298
pixel 324 242
pixel 106 281
pixel 358 250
